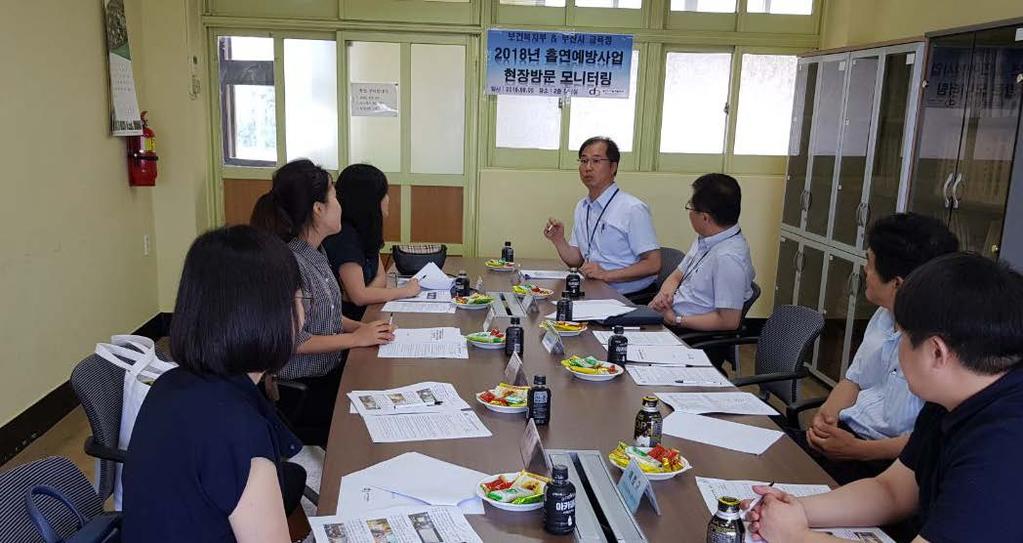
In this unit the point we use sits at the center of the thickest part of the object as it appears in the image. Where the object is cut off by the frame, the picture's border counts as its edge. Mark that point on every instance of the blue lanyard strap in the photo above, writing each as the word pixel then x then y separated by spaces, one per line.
pixel 589 234
pixel 693 267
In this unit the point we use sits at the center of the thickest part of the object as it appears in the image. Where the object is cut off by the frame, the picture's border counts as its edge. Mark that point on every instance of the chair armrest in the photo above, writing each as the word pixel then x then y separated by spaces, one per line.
pixel 300 391
pixel 803 405
pixel 749 340
pixel 769 378
pixel 703 336
pixel 95 450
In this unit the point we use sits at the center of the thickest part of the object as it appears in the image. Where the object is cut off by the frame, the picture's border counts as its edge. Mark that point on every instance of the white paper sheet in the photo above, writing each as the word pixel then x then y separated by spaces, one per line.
pixel 416 524
pixel 734 403
pixel 433 481
pixel 665 355
pixel 720 433
pixel 595 310
pixel 425 427
pixel 417 307
pixel 440 342
pixel 437 296
pixel 425 397
pixel 672 375
pixel 359 496
pixel 636 337
pixel 711 489
pixel 544 274
pixel 433 278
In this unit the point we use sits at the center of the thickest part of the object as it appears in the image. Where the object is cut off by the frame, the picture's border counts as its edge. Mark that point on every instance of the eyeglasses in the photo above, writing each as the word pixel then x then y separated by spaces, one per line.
pixel 594 161
pixel 307 301
pixel 690 207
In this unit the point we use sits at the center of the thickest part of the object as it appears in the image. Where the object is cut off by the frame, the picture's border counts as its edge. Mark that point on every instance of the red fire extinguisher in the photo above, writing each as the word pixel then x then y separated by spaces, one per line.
pixel 142 157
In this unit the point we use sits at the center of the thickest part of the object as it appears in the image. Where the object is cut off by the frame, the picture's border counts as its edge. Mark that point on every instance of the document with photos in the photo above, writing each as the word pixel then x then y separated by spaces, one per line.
pixel 677 376
pixel 425 427
pixel 712 489
pixel 446 342
pixel 418 307
pixel 638 337
pixel 425 397
pixel 410 524
pixel 439 296
pixel 732 403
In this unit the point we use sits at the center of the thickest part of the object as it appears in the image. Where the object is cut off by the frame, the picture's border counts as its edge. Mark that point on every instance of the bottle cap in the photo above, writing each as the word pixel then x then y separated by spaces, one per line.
pixel 539 379
pixel 564 295
pixel 649 401
pixel 507 244
pixel 619 329
pixel 573 270
pixel 514 320
pixel 461 272
pixel 560 473
pixel 728 504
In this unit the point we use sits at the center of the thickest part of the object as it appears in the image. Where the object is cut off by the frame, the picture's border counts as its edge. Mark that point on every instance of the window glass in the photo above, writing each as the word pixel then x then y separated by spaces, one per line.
pixel 766 85
pixel 310 100
pixel 611 117
pixel 245 48
pixel 626 4
pixel 780 7
pixel 705 6
pixel 695 93
pixel 547 3
pixel 438 108
pixel 247 101
pixel 375 139
pixel 528 122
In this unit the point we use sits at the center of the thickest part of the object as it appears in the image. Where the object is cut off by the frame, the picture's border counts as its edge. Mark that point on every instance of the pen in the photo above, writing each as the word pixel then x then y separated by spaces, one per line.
pixel 411 405
pixel 632 327
pixel 548 229
pixel 684 382
pixel 390 321
pixel 756 500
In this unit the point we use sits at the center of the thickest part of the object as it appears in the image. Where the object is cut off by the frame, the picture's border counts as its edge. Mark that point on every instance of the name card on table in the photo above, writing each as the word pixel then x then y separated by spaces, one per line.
pixel 634 485
pixel 513 374
pixel 479 284
pixel 527 303
pixel 552 341
pixel 531 449
pixel 487 322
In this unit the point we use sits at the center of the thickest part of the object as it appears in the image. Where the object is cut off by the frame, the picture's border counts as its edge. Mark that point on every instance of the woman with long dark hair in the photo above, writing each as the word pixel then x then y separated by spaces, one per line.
pixel 354 253
pixel 302 209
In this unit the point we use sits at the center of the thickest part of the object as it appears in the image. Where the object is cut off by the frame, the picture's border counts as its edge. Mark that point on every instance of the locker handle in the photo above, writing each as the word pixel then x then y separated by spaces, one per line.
pixel 955 191
pixel 944 190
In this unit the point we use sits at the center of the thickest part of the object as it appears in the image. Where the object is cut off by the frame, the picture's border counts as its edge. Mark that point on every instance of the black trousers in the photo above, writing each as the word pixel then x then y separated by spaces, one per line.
pixel 843 471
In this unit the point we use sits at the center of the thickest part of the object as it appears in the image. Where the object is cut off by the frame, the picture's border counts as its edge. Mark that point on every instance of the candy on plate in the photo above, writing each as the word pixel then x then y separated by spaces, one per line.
pixel 659 460
pixel 589 365
pixel 505 395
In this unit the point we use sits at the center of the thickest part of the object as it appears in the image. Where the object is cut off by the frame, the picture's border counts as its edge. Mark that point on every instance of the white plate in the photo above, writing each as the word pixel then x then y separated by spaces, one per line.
pixel 504 269
pixel 471 307
pixel 537 296
pixel 500 408
pixel 569 333
pixel 482 345
pixel 686 466
pixel 505 506
pixel 598 377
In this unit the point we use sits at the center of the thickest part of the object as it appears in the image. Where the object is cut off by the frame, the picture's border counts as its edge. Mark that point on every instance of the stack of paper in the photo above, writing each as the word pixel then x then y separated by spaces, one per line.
pixel 720 433
pixel 433 278
pixel 667 355
pixel 425 397
pixel 596 310
pixel 734 403
pixel 443 342
pixel 677 376
pixel 406 306
pixel 416 524
pixel 712 489
pixel 635 337
pixel 435 296
pixel 544 274
pixel 420 412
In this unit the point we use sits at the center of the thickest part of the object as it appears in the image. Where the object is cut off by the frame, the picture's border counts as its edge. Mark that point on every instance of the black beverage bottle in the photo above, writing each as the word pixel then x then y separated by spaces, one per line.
pixel 573 283
pixel 726 524
pixel 564 308
pixel 559 503
pixel 513 338
pixel 507 253
pixel 618 347
pixel 462 284
pixel 538 402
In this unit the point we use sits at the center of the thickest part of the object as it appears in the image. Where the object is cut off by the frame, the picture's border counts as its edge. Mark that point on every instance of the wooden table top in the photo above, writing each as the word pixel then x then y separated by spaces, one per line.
pixel 584 415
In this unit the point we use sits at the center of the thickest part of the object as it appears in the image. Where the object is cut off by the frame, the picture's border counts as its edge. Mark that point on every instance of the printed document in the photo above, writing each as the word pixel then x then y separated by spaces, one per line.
pixel 433 278
pixel 432 481
pixel 425 426
pixel 425 397
pixel 720 433
pixel 410 524
pixel 439 296
pixel 544 274
pixel 358 496
pixel 446 342
pixel 676 376
pixel 712 489
pixel 596 310
pixel 663 355
pixel 637 337
pixel 733 403
pixel 417 307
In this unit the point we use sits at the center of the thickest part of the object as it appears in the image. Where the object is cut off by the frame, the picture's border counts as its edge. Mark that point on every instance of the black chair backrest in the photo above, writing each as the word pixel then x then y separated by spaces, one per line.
pixel 57 472
pixel 670 259
pixel 785 342
pixel 411 261
pixel 99 386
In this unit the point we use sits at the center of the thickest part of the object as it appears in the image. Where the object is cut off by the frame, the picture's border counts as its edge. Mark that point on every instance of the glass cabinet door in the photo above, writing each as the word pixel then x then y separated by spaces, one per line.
pixel 827 122
pixel 836 317
pixel 941 124
pixel 891 130
pixel 785 282
pixel 811 269
pixel 981 185
pixel 859 109
pixel 799 143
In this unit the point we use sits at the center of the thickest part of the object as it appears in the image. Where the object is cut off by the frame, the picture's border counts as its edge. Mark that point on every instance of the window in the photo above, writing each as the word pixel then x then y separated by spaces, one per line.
pixel 626 4
pixel 528 122
pixel 437 112
pixel 705 6
pixel 695 95
pixel 542 3
pixel 310 102
pixel 247 101
pixel 780 7
pixel 612 117
pixel 766 85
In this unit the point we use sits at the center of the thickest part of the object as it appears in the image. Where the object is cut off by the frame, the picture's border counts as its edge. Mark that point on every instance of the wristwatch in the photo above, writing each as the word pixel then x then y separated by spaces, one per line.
pixel 678 320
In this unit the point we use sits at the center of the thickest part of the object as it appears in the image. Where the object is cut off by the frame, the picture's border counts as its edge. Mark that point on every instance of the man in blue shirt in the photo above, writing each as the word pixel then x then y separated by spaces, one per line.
pixel 714 280
pixel 961 349
pixel 866 420
pixel 613 238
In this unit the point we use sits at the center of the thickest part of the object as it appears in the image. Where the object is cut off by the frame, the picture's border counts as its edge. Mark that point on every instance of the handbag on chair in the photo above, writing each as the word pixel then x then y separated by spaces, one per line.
pixel 409 259
pixel 103 528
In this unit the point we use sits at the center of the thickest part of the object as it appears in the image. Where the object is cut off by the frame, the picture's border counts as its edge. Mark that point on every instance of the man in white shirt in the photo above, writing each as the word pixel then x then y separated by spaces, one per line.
pixel 613 238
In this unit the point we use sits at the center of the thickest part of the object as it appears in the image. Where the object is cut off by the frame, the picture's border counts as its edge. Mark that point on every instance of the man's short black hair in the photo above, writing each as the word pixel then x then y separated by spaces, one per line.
pixel 719 196
pixel 613 155
pixel 235 312
pixel 903 241
pixel 975 305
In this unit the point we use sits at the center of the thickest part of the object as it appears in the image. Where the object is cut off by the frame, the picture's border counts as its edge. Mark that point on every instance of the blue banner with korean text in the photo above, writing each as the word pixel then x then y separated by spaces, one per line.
pixel 534 63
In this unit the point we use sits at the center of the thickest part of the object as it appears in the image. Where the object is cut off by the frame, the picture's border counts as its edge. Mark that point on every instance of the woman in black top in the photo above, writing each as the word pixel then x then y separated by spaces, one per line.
pixel 205 458
pixel 355 252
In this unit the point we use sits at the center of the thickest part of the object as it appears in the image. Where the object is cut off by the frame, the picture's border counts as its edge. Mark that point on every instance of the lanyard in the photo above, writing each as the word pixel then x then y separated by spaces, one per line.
pixel 694 267
pixel 589 235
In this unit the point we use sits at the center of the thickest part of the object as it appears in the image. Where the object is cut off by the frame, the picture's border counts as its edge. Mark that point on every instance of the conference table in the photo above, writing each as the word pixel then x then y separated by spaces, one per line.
pixel 584 415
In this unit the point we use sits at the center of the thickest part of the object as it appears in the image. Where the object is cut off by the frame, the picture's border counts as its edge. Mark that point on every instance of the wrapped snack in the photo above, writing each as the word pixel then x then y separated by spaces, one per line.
pixel 566 326
pixel 473 299
pixel 588 365
pixel 491 336
pixel 660 459
pixel 505 395
pixel 529 288
pixel 526 488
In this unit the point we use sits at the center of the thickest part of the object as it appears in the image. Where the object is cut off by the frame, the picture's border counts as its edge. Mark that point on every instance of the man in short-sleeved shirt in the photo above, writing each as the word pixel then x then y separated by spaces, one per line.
pixel 613 238
pixel 961 350
pixel 714 280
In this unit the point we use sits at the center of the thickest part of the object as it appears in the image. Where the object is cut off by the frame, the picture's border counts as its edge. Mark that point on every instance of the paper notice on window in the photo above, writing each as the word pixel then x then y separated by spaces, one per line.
pixel 425 427
pixel 374 99
pixel 733 403
pixel 425 397
pixel 712 489
pixel 677 376
pixel 662 338
pixel 667 355
pixel 417 307
pixel 720 433
pixel 415 524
